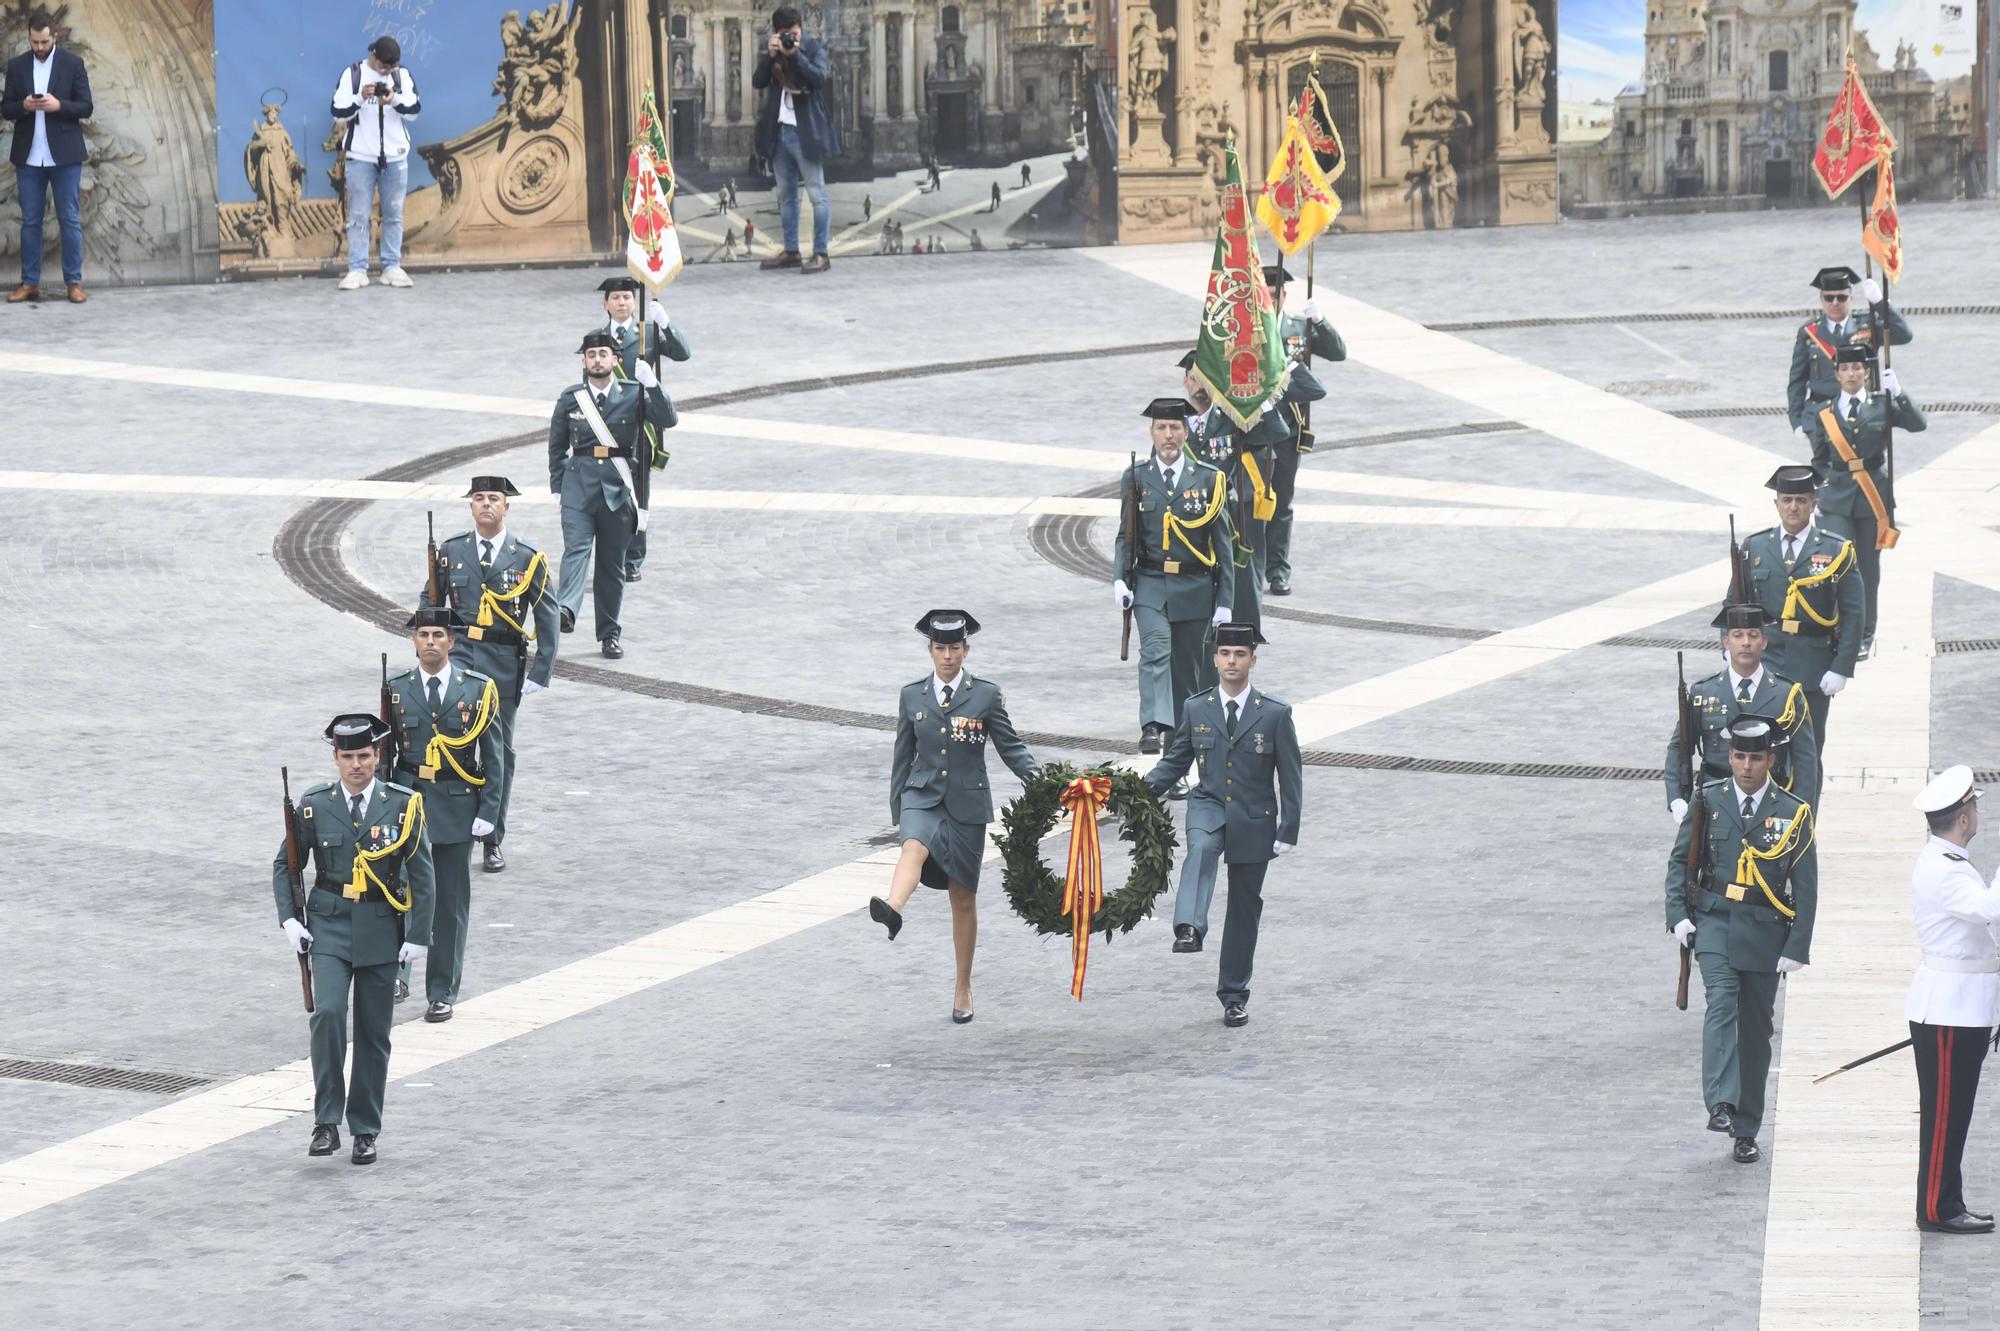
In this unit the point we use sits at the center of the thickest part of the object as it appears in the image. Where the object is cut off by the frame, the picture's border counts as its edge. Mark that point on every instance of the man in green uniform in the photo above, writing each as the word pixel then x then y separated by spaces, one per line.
pixel 370 905
pixel 1746 908
pixel 447 734
pixel 595 439
pixel 1744 686
pixel 1837 324
pixel 1806 580
pixel 1306 334
pixel 1244 812
pixel 640 342
pixel 1850 439
pixel 1174 574
pixel 505 597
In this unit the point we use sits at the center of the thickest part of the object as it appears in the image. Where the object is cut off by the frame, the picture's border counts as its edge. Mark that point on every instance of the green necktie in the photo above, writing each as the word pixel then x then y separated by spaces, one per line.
pixel 1743 691
pixel 1230 719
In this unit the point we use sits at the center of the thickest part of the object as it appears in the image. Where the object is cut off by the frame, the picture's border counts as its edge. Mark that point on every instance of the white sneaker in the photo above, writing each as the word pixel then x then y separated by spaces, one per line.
pixel 354 281
pixel 395 277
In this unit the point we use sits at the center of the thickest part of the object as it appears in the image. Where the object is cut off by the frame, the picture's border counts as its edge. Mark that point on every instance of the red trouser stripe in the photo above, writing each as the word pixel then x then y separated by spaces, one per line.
pixel 1940 1127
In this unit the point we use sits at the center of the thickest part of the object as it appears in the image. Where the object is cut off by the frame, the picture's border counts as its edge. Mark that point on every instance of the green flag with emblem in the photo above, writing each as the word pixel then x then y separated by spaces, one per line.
pixel 1240 357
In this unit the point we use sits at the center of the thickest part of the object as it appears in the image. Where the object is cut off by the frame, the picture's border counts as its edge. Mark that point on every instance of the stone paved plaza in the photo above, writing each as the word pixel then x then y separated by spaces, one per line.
pixel 690 1084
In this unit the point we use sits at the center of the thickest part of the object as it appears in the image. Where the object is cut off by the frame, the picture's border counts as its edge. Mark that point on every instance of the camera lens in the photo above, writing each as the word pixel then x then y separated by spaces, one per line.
pixel 788 41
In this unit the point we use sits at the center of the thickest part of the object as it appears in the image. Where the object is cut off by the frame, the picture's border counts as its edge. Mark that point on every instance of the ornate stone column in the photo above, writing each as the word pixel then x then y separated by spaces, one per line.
pixel 753 46
pixel 717 79
pixel 1183 84
pixel 878 53
pixel 912 66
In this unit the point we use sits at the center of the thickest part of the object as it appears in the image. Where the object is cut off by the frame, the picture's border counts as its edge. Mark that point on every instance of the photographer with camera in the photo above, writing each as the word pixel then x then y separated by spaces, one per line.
pixel 795 133
pixel 376 99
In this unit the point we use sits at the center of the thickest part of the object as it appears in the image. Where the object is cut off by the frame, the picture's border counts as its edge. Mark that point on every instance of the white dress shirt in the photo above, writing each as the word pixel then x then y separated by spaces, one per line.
pixel 958 684
pixel 1171 475
pixel 1955 914
pixel 1242 701
pixel 1844 402
pixel 1756 799
pixel 1798 544
pixel 1735 680
pixel 38 150
pixel 443 677
pixel 498 540
pixel 367 798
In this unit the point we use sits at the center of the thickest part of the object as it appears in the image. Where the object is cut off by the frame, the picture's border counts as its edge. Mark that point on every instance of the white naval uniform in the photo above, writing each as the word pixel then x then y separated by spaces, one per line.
pixel 1959 982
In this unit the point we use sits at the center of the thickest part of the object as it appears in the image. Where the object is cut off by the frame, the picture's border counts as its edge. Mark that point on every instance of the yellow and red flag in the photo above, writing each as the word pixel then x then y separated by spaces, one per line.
pixel 1298 201
pixel 653 247
pixel 1855 136
pixel 1316 119
pixel 1882 234
pixel 1240 357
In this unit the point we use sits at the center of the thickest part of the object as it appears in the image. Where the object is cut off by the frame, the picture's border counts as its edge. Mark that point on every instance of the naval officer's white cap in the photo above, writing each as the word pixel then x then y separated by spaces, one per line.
pixel 1952 788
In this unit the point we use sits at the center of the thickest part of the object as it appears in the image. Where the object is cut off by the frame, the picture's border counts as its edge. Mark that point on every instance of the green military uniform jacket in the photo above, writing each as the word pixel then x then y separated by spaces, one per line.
pixel 1868 435
pixel 648 343
pixel 1319 338
pixel 1759 887
pixel 1236 452
pixel 452 755
pixel 1250 787
pixel 1816 601
pixel 1185 558
pixel 941 751
pixel 506 606
pixel 364 914
pixel 1797 769
pixel 573 467
pixel 1812 359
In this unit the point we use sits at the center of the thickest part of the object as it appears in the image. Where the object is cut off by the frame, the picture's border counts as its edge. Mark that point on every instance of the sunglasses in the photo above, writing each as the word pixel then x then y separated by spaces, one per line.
pixel 1835 298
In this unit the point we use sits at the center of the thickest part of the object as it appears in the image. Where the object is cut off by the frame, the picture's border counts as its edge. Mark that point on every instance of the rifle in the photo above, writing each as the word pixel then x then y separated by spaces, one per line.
pixel 295 866
pixel 1697 811
pixel 388 705
pixel 1131 570
pixel 1739 569
pixel 437 581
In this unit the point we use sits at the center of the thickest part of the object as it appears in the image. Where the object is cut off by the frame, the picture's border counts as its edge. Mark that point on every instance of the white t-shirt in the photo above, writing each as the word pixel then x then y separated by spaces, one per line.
pixel 786 116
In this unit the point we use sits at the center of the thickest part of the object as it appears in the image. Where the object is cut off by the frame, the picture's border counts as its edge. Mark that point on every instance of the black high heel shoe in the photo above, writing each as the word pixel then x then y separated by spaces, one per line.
pixel 960 1016
pixel 885 915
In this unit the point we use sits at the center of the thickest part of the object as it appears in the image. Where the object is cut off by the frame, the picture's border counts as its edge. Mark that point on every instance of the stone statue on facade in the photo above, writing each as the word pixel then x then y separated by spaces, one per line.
pixel 1531 56
pixel 276 175
pixel 538 59
pixel 1148 60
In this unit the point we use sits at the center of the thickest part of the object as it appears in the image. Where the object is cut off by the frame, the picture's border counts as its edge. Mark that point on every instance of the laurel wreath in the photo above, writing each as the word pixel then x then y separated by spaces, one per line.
pixel 1036 891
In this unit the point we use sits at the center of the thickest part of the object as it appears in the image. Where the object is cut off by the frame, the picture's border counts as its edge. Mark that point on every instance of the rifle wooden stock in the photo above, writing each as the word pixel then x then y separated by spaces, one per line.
pixel 436 584
pixel 295 866
pixel 1681 987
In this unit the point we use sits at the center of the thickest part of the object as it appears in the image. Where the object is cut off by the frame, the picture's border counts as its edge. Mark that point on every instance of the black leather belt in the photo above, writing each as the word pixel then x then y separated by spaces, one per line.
pixel 499 636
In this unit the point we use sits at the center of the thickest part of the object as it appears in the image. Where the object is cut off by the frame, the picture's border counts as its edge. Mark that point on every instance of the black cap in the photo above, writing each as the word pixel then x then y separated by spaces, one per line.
pixel 434 617
pixel 611 284
pixel 595 338
pixel 1744 616
pixel 1793 480
pixel 1854 353
pixel 1837 278
pixel 1275 275
pixel 355 730
pixel 1186 362
pixel 1750 733
pixel 947 626
pixel 499 483
pixel 1238 635
pixel 1169 409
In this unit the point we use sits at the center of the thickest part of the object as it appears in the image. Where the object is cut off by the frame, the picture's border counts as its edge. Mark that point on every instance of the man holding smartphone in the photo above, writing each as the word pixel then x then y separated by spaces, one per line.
pixel 376 99
pixel 47 96
pixel 795 132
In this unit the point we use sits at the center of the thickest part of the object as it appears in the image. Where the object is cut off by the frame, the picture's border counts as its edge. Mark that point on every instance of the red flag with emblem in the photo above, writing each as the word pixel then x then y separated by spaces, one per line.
pixel 1240 357
pixel 653 247
pixel 1855 135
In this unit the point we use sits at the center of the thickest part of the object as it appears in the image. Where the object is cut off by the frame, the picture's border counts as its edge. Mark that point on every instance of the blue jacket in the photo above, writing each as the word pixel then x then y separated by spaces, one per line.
pixel 69 85
pixel 818 139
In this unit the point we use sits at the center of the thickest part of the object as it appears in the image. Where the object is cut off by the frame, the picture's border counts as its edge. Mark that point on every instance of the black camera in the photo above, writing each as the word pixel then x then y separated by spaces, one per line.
pixel 379 90
pixel 788 40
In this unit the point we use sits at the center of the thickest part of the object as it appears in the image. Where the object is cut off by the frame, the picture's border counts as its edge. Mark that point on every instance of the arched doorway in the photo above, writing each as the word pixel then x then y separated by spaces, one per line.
pixel 1341 81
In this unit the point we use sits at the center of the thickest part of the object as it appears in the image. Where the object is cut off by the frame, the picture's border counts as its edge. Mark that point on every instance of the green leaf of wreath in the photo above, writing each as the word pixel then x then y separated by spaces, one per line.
pixel 1036 891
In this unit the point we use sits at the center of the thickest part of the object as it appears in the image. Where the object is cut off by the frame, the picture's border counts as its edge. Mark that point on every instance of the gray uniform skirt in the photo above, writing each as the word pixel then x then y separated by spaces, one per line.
pixel 956 849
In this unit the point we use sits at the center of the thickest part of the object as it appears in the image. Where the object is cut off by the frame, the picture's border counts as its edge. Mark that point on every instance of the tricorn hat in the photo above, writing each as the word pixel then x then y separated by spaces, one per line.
pixel 1750 733
pixel 947 626
pixel 1275 275
pixel 1837 278
pixel 1186 362
pixel 595 338
pixel 434 617
pixel 1169 409
pixel 493 484
pixel 1793 480
pixel 356 730
pixel 1238 635
pixel 611 284
pixel 1854 353
pixel 1747 615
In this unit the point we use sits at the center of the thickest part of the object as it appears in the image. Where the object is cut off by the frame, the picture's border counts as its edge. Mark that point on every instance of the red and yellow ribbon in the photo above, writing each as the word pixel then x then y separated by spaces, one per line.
pixel 1083 884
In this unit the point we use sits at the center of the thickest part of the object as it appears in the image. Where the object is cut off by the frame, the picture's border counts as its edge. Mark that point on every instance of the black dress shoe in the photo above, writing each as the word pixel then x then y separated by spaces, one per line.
pixel 632 573
pixel 1281 586
pixel 364 1148
pixel 1746 1153
pixel 494 861
pixel 1979 1215
pixel 886 915
pixel 402 990
pixel 1963 1223
pixel 959 1016
pixel 568 619
pixel 1236 1014
pixel 1185 938
pixel 611 649
pixel 438 1012
pixel 1149 738
pixel 1723 1119
pixel 326 1139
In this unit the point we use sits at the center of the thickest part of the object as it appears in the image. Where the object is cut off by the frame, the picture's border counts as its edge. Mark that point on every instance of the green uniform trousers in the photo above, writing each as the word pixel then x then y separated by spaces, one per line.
pixel 1278 532
pixel 374 1010
pixel 595 538
pixel 1736 1038
pixel 451 920
pixel 1170 664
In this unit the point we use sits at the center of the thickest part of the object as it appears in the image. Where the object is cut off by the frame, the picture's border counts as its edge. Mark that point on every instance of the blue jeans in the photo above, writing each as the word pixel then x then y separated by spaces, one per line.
pixel 362 179
pixel 33 183
pixel 792 166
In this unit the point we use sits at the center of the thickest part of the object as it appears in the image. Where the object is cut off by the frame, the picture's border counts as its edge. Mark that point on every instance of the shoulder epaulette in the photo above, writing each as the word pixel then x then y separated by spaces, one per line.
pixel 319 789
pixel 401 790
pixel 1715 678
pixel 1954 855
pixel 474 674
pixel 1791 795
pixel 1718 783
pixel 459 536
pixel 403 674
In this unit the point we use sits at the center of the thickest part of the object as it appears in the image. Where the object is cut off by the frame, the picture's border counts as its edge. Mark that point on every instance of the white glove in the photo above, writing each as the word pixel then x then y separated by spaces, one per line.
pixel 1684 933
pixel 481 829
pixel 1278 848
pixel 301 937
pixel 1121 594
pixel 1890 385
pixel 1786 965
pixel 529 688
pixel 1804 438
pixel 1830 683
pixel 411 954
pixel 1311 311
pixel 644 374
pixel 1679 809
pixel 1870 290
pixel 1221 615
pixel 656 314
